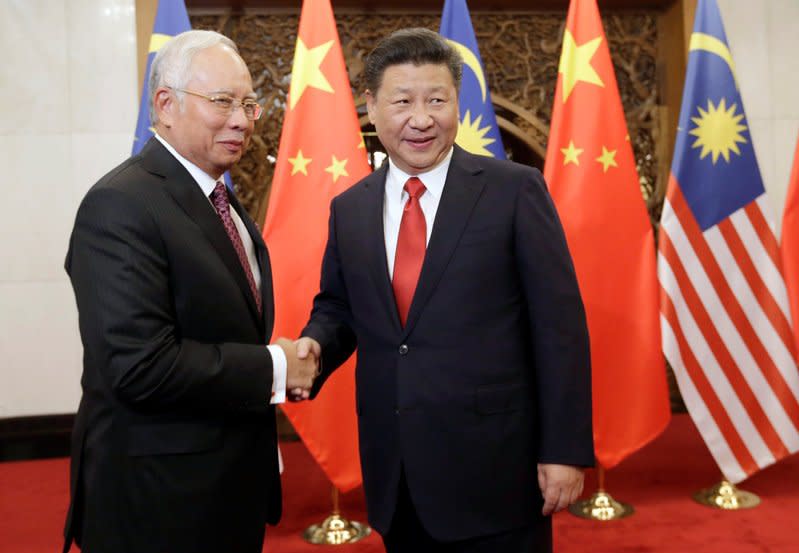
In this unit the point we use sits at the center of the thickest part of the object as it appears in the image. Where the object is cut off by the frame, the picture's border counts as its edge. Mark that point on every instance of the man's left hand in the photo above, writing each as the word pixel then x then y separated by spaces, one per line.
pixel 561 485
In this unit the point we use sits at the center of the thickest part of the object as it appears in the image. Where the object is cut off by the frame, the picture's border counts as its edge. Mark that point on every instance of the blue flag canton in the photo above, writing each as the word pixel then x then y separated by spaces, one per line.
pixel 170 19
pixel 714 160
pixel 478 131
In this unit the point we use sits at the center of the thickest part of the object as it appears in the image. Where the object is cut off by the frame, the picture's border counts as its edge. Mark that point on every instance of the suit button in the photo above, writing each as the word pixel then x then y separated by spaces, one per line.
pixel 403 349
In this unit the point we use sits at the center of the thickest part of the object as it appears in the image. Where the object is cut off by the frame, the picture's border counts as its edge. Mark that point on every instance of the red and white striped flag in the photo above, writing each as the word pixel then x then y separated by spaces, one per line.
pixel 724 308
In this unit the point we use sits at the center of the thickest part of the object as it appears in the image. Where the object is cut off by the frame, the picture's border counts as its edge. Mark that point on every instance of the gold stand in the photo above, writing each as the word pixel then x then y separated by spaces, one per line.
pixel 725 495
pixel 601 506
pixel 335 529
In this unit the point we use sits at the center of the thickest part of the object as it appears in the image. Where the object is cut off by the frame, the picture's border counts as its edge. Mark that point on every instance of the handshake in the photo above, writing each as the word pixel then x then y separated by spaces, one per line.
pixel 303 357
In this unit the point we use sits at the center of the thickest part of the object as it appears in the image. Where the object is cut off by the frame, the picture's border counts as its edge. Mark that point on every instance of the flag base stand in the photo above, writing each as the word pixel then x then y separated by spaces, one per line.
pixel 335 529
pixel 726 496
pixel 601 506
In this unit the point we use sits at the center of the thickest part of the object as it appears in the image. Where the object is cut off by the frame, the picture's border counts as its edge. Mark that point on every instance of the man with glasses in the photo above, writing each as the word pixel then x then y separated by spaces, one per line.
pixel 174 444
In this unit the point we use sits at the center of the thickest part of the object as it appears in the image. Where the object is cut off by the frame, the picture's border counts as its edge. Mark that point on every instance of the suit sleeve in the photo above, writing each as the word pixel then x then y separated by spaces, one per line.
pixel 330 322
pixel 559 332
pixel 119 269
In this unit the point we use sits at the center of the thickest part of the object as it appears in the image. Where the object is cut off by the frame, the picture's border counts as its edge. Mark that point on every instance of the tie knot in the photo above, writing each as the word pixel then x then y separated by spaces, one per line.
pixel 414 187
pixel 219 196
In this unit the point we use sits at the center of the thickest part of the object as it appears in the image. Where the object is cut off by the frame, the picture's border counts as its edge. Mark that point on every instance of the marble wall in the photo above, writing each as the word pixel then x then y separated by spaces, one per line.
pixel 764 40
pixel 69 103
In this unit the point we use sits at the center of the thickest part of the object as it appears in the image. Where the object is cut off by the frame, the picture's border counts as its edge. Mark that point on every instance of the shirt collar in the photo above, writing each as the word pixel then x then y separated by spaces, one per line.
pixel 433 179
pixel 206 182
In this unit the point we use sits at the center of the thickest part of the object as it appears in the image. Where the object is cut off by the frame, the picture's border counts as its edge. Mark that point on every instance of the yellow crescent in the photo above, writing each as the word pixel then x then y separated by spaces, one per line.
pixel 472 62
pixel 709 43
pixel 157 41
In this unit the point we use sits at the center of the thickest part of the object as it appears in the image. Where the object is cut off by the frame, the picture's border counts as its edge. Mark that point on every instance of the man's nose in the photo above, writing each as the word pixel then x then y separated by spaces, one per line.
pixel 420 117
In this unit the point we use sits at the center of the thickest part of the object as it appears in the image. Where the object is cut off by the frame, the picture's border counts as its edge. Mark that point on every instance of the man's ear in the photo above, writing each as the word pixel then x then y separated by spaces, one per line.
pixel 370 105
pixel 165 106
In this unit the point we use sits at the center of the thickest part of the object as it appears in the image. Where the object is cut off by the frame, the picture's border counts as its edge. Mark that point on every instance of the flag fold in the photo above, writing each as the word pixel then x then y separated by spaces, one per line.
pixel 478 131
pixel 590 170
pixel 170 19
pixel 724 308
pixel 321 154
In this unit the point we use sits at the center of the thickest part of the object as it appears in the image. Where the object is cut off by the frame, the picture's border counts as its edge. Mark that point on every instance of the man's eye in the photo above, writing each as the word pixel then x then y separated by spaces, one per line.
pixel 222 102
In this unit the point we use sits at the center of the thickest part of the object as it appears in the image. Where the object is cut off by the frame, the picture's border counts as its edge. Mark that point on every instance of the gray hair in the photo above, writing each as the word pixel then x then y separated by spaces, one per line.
pixel 415 45
pixel 172 64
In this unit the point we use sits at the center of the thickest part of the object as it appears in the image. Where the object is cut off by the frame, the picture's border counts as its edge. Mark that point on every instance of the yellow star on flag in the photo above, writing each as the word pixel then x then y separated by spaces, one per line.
pixel 338 168
pixel 571 154
pixel 299 164
pixel 575 63
pixel 306 70
pixel 607 159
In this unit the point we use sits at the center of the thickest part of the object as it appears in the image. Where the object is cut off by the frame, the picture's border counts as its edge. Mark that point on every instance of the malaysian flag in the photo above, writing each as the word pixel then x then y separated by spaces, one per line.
pixel 724 309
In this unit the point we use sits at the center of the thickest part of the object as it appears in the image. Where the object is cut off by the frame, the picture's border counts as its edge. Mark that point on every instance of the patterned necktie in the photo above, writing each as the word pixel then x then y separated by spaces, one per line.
pixel 411 245
pixel 220 200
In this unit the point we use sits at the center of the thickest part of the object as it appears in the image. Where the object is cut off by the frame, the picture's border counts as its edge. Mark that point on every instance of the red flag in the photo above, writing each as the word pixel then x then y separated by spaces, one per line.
pixel 592 177
pixel 321 154
pixel 789 244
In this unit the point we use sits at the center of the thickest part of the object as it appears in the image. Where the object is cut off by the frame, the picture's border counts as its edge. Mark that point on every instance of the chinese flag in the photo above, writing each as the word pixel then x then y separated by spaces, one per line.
pixel 789 244
pixel 592 177
pixel 321 154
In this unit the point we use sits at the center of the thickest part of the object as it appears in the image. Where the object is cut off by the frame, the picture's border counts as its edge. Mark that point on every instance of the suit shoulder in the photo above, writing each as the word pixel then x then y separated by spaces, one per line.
pixel 359 188
pixel 129 176
pixel 507 168
pixel 128 182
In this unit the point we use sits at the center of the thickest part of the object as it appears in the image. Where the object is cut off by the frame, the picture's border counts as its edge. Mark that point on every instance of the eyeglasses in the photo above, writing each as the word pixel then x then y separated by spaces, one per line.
pixel 226 105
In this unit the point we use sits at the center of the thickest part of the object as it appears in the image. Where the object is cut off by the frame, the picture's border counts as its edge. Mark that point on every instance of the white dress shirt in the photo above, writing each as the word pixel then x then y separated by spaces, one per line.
pixel 207 184
pixel 396 197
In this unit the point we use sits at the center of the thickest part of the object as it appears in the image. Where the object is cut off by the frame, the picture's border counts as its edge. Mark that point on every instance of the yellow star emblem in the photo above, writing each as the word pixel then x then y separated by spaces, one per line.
pixel 607 159
pixel 306 70
pixel 575 63
pixel 362 143
pixel 338 168
pixel 571 154
pixel 299 164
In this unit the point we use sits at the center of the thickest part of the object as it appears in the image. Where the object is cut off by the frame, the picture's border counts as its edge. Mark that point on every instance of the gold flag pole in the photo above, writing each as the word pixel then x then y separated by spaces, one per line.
pixel 725 495
pixel 601 506
pixel 335 529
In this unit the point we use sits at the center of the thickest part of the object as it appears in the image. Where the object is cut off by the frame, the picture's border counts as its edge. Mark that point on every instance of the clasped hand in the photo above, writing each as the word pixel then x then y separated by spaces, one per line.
pixel 302 358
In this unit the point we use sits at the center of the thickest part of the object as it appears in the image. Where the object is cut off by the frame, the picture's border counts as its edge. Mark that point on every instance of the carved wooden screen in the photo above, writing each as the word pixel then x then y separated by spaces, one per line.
pixel 520 52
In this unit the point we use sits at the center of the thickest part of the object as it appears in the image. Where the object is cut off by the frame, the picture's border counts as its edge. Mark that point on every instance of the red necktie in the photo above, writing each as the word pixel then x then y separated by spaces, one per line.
pixel 411 245
pixel 220 200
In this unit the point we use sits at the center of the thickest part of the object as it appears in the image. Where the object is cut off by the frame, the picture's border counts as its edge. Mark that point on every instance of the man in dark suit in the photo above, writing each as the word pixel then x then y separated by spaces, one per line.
pixel 451 274
pixel 174 445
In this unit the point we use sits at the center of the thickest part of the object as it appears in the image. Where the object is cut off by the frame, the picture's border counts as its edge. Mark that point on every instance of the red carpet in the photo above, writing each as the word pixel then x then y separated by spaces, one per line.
pixel 658 481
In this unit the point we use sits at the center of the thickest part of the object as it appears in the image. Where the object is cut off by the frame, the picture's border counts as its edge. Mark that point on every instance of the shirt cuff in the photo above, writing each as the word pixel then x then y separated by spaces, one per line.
pixel 279 370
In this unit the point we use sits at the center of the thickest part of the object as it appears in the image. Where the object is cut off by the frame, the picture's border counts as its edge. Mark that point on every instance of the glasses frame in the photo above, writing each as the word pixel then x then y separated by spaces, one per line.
pixel 259 110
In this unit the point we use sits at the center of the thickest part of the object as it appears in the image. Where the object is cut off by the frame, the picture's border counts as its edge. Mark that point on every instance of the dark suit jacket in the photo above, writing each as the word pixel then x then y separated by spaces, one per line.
pixel 491 374
pixel 174 444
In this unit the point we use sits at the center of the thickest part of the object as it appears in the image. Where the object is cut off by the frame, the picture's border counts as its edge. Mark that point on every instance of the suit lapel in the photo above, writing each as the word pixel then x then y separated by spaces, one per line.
pixel 188 195
pixel 372 208
pixel 461 192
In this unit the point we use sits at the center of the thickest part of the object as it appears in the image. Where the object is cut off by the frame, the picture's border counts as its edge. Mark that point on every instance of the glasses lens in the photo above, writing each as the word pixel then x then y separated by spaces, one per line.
pixel 252 110
pixel 223 103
